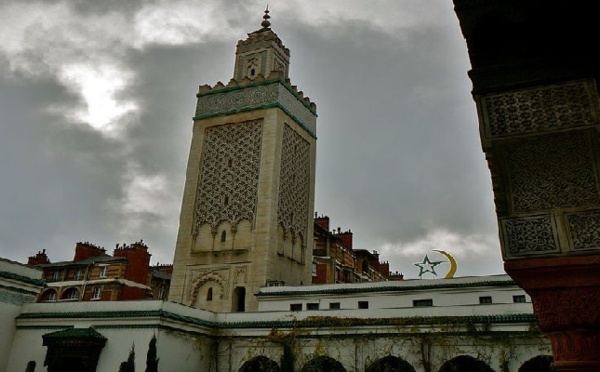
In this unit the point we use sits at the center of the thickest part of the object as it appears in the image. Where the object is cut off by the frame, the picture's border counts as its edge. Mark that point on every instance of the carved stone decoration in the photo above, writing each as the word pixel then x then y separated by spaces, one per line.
pixel 584 230
pixel 553 171
pixel 278 65
pixel 559 309
pixel 540 109
pixel 241 274
pixel 292 212
pixel 528 235
pixel 237 99
pixel 570 347
pixel 563 314
pixel 228 185
pixel 197 282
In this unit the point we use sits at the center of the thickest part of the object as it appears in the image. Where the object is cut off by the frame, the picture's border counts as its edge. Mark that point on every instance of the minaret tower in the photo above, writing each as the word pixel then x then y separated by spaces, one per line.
pixel 246 217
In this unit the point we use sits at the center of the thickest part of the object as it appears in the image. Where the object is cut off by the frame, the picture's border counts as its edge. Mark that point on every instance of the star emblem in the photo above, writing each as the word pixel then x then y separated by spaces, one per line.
pixel 427 266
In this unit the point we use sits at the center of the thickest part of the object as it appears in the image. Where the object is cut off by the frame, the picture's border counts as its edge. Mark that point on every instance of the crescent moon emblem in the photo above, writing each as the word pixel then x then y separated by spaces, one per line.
pixel 452 261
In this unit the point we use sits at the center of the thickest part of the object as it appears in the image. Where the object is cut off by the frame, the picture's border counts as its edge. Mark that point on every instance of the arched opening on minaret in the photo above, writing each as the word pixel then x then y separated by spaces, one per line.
pixel 209 294
pixel 239 299
pixel 223 236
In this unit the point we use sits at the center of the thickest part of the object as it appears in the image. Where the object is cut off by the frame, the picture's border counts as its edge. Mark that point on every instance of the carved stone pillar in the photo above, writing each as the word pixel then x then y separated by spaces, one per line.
pixel 535 84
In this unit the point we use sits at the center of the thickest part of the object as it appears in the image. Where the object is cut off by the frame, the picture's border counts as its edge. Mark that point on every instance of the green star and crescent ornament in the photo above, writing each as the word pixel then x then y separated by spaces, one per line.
pixel 427 266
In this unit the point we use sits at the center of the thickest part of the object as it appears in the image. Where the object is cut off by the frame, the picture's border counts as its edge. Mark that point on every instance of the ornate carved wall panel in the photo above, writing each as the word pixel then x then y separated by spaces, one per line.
pixel 292 212
pixel 529 236
pixel 228 186
pixel 584 230
pixel 553 171
pixel 540 109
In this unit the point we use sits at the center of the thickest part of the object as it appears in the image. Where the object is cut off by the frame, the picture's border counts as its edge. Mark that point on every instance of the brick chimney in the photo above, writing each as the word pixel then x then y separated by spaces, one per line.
pixel 85 250
pixel 165 268
pixel 40 258
pixel 138 261
pixel 346 237
pixel 322 221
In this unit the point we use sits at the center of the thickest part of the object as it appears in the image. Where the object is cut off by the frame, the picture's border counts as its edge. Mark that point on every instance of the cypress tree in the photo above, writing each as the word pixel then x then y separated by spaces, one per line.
pixel 151 359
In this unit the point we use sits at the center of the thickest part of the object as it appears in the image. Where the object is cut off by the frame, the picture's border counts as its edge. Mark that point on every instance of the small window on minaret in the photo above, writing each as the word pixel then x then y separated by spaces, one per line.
pixel 229 163
pixel 223 236
pixel 252 72
pixel 225 200
pixel 209 294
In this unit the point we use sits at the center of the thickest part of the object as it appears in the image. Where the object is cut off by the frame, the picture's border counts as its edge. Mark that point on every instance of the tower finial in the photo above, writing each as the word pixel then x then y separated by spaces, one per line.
pixel 266 23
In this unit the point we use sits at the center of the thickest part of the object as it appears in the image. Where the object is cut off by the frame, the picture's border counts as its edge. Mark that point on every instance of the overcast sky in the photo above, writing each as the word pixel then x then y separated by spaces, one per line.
pixel 97 99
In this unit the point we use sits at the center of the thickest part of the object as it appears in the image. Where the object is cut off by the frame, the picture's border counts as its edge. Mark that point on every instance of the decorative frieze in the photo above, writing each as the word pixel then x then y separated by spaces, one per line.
pixel 540 109
pixel 297 109
pixel 228 186
pixel 246 96
pixel 553 171
pixel 529 236
pixel 236 99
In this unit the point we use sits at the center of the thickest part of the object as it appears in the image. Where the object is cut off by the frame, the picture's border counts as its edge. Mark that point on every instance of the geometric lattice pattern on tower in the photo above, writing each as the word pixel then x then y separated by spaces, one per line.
pixel 228 186
pixel 294 180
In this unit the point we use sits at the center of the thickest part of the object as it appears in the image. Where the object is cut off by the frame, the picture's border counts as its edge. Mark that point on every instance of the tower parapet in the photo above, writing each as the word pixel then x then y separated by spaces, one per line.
pixel 260 93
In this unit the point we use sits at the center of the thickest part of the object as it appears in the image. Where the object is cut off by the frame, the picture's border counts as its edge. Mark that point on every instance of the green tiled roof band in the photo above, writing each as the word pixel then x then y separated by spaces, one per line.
pixel 21 278
pixel 309 322
pixel 258 107
pixel 75 333
pixel 505 283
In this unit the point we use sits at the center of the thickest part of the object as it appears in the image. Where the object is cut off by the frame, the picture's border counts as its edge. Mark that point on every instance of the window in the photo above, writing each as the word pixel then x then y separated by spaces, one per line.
pixel 209 294
pixel 485 299
pixel 422 303
pixel 223 236
pixel 79 274
pixel 334 306
pixel 103 270
pixel 519 299
pixel 363 304
pixel 312 306
pixel 295 307
pixel 55 276
pixel 96 293
pixel 71 294
pixel 49 295
pixel 314 269
pixel 161 292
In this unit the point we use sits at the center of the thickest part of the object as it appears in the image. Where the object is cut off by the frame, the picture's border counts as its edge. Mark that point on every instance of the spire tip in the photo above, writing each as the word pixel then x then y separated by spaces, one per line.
pixel 266 23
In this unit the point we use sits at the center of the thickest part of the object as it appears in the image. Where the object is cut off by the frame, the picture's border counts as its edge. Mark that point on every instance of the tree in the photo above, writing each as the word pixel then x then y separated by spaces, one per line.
pixel 151 359
pixel 129 365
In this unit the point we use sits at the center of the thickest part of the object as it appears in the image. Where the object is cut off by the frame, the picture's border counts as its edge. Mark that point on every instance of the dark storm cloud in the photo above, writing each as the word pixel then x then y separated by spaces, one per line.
pixel 398 158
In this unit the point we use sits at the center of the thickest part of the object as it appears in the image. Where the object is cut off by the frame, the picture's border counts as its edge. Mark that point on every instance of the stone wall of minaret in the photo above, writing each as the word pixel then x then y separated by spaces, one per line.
pixel 247 211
